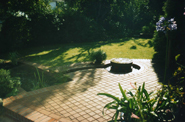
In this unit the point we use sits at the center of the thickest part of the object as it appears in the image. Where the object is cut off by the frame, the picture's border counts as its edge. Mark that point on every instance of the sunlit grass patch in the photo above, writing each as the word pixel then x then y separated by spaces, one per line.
pixel 141 49
pixel 57 55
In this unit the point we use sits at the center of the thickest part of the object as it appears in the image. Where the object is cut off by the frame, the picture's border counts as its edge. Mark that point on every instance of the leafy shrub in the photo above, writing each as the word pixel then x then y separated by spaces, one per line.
pixel 143 106
pixel 169 102
pixel 171 8
pixel 8 84
pixel 138 106
pixel 178 82
pixel 15 31
pixel 83 29
pixel 43 29
pixel 14 57
pixel 148 30
pixel 98 56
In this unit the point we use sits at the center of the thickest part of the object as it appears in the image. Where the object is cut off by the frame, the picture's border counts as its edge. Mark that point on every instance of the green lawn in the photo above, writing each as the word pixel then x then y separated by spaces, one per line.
pixel 57 55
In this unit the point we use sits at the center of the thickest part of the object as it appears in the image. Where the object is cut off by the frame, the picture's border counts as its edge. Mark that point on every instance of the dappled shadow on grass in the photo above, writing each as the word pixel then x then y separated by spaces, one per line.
pixel 143 43
pixel 56 55
pixel 78 56
pixel 133 47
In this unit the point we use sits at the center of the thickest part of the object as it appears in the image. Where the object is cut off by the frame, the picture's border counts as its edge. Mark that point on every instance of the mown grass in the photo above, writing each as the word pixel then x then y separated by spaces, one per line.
pixel 57 55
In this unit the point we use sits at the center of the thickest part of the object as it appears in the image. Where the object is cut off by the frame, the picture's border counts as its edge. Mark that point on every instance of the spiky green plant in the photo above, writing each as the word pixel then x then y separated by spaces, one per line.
pixel 39 80
pixel 137 106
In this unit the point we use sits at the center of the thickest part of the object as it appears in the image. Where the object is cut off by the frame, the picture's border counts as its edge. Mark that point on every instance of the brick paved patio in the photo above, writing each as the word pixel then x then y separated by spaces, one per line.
pixel 77 101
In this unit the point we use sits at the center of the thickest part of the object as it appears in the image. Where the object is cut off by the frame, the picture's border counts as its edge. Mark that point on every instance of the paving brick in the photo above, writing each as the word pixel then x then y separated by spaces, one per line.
pixel 26 112
pixel 76 115
pixel 35 116
pixel 67 114
pixel 85 120
pixel 91 113
pixel 52 120
pixel 69 110
pixel 86 116
pixel 96 116
pixel 64 120
pixel 18 108
pixel 42 118
pixel 72 117
pixel 82 113
pixel 63 112
pixel 75 120
pixel 91 119
pixel 65 107
pixel 45 112
pixel 31 114
pixel 54 116
pixel 56 106
pixel 80 118
pixel 12 98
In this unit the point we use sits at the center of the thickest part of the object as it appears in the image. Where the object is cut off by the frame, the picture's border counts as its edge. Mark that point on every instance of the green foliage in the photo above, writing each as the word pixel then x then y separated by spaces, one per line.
pixel 169 100
pixel 8 85
pixel 98 56
pixel 118 17
pixel 83 29
pixel 138 103
pixel 18 19
pixel 40 83
pixel 33 23
pixel 13 56
pixel 143 106
pixel 171 9
pixel 179 73
pixel 148 30
pixel 171 97
pixel 15 33
pixel 159 41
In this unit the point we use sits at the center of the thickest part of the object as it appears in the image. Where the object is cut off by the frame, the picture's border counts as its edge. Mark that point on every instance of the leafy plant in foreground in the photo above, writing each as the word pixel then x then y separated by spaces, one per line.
pixel 136 106
pixel 169 99
pixel 141 106
pixel 8 85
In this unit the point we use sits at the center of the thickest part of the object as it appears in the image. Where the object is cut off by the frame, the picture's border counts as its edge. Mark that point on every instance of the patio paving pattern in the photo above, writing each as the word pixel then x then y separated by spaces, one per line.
pixel 77 100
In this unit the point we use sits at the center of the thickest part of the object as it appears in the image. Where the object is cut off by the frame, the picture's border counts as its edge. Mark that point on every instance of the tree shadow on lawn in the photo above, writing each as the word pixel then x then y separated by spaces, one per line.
pixel 85 50
pixel 49 57
pixel 82 54
pixel 56 55
pixel 143 43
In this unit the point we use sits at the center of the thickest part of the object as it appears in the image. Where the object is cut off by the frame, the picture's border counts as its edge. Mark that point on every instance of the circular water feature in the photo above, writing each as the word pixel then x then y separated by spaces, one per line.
pixel 122 66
